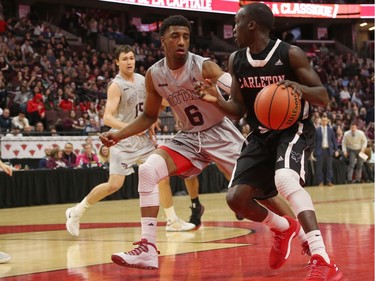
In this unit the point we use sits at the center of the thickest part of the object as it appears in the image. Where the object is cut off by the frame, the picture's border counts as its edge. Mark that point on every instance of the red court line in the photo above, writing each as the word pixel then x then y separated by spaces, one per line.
pixel 352 247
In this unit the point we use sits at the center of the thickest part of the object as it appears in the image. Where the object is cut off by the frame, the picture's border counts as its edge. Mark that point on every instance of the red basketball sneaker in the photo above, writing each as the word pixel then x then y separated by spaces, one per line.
pixel 320 270
pixel 144 256
pixel 282 242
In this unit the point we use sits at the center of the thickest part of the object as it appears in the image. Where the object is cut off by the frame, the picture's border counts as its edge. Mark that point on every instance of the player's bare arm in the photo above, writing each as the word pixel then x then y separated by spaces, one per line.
pixel 235 106
pixel 309 86
pixel 207 89
pixel 113 100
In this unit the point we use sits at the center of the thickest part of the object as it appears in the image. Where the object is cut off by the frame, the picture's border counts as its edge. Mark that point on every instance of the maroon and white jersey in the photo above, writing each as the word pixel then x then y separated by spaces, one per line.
pixel 177 87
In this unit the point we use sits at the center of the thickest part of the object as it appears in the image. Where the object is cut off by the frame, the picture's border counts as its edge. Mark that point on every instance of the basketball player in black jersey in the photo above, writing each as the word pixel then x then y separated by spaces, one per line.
pixel 273 161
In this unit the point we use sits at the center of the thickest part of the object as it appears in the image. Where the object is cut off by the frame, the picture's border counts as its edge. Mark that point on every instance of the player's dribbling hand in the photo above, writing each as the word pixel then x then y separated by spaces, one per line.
pixel 109 138
pixel 206 90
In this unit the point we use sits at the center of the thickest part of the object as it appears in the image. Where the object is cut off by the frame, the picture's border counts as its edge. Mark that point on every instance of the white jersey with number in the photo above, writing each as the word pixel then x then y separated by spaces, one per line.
pixel 177 87
pixel 135 149
pixel 133 95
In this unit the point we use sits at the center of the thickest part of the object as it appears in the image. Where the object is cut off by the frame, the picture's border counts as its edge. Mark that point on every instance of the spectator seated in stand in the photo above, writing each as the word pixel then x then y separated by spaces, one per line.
pixel 104 153
pixel 15 132
pixel 73 123
pixel 20 121
pixel 87 159
pixel 39 130
pixel 55 159
pixel 93 127
pixel 35 109
pixel 5 121
pixel 20 99
pixel 43 161
pixel 69 155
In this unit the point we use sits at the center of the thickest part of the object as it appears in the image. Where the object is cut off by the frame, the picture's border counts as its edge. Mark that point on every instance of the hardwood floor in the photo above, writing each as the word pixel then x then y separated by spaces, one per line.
pixel 222 249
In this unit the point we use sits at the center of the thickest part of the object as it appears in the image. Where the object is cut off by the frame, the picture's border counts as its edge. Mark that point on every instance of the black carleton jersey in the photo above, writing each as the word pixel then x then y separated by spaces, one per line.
pixel 254 72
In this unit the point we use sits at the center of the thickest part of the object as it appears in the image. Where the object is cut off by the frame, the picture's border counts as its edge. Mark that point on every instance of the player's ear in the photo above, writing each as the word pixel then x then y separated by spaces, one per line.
pixel 251 24
pixel 162 41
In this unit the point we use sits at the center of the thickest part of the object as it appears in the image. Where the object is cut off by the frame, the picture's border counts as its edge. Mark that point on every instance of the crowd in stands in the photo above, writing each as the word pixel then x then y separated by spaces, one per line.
pixel 47 87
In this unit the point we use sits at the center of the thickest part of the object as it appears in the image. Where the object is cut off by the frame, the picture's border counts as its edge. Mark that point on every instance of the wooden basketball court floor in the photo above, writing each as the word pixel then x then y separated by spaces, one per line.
pixel 222 249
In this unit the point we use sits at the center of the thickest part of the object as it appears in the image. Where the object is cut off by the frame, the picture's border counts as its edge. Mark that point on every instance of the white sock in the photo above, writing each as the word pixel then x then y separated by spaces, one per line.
pixel 316 244
pixel 170 213
pixel 301 236
pixel 80 208
pixel 276 222
pixel 149 229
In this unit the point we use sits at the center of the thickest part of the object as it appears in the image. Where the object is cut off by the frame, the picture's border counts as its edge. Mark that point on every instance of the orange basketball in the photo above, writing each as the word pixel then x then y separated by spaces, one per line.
pixel 277 107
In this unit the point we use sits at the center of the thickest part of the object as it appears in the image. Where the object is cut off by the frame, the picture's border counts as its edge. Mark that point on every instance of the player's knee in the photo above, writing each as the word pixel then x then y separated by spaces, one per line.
pixel 113 187
pixel 287 182
pixel 231 198
pixel 151 172
pixel 237 200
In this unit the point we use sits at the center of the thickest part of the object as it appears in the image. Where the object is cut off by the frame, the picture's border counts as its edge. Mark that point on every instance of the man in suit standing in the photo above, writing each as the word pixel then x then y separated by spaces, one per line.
pixel 325 147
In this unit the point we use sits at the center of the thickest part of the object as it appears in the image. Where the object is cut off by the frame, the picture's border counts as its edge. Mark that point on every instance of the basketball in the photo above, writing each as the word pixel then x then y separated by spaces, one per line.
pixel 277 107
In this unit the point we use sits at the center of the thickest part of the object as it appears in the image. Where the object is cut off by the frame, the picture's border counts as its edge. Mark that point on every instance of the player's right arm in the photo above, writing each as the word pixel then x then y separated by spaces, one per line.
pixel 113 100
pixel 235 106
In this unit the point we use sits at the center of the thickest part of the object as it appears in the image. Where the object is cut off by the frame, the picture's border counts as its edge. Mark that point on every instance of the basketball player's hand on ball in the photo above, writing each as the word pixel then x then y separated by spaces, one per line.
pixel 206 90
pixel 294 85
pixel 109 138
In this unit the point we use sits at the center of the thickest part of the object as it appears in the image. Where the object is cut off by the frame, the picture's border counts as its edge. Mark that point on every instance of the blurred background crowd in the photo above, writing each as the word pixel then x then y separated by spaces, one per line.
pixel 50 86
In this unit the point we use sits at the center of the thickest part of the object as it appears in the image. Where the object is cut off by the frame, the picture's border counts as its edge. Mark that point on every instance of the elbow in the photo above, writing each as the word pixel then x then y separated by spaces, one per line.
pixel 325 102
pixel 324 98
pixel 106 120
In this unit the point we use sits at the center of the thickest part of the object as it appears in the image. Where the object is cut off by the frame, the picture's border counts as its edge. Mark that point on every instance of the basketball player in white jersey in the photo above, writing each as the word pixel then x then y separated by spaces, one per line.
pixel 125 101
pixel 206 136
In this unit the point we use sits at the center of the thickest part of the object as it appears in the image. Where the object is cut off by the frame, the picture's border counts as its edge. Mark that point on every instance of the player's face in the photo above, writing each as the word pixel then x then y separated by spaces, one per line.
pixel 126 62
pixel 176 41
pixel 240 29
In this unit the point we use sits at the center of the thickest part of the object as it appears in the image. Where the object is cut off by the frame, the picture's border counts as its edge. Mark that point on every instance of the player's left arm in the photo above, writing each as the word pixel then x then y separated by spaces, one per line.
pixel 308 85
pixel 210 70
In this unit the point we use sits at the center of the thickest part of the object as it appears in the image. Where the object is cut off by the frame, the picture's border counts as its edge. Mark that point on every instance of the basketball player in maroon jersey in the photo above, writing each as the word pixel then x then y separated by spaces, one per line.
pixel 206 136
pixel 273 160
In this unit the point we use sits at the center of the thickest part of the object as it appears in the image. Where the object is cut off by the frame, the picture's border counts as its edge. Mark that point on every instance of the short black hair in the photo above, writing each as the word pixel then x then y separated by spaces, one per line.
pixel 261 14
pixel 176 20
pixel 123 49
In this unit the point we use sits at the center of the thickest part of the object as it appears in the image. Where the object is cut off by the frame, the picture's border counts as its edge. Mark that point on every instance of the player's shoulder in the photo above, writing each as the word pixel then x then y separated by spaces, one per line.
pixel 292 49
pixel 159 64
pixel 139 77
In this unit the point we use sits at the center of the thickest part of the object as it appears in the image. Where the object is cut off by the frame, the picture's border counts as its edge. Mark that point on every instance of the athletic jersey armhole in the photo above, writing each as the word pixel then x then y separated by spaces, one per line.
pixel 284 52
